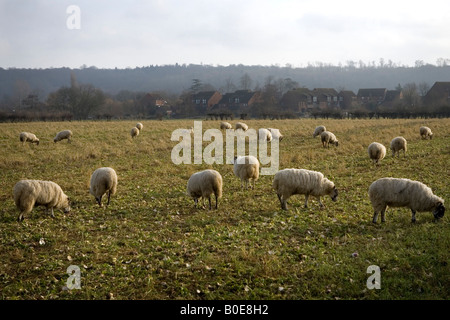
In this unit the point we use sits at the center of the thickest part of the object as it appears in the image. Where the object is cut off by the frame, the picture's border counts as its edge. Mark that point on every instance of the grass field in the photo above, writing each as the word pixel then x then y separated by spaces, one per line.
pixel 151 243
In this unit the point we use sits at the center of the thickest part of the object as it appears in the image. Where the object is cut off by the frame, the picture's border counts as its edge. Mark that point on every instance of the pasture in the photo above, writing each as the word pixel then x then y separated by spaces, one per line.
pixel 151 243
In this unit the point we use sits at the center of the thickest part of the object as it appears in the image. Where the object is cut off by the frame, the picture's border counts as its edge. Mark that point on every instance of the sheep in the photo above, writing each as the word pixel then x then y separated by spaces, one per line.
pixel 134 132
pixel 139 126
pixel 246 168
pixel 264 135
pixel 31 193
pixel 66 134
pixel 225 125
pixel 377 152
pixel 288 182
pixel 397 144
pixel 276 134
pixel 328 137
pixel 395 192
pixel 242 126
pixel 318 131
pixel 28 137
pixel 425 132
pixel 203 184
pixel 103 180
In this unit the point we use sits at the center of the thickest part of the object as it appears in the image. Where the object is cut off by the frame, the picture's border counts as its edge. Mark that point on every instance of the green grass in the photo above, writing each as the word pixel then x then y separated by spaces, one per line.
pixel 151 243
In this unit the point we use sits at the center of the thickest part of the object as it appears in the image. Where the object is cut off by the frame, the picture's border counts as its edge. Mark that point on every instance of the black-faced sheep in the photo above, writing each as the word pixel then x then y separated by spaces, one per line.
pixel 318 131
pixel 397 144
pixel 28 137
pixel 425 132
pixel 276 134
pixel 203 184
pixel 66 134
pixel 328 137
pixel 246 168
pixel 288 182
pixel 395 192
pixel 264 135
pixel 103 180
pixel 377 152
pixel 31 193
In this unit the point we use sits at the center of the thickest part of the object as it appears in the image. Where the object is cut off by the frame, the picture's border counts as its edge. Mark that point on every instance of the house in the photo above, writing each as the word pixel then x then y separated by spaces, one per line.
pixel 297 100
pixel 206 99
pixel 346 99
pixel 238 100
pixel 324 97
pixel 392 98
pixel 438 95
pixel 371 97
pixel 150 101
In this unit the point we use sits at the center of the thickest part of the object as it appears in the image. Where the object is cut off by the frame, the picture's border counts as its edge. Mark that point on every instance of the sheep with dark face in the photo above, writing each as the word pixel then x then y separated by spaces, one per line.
pixel 328 138
pixel 425 133
pixel 394 192
pixel 28 137
pixel 65 134
pixel 288 182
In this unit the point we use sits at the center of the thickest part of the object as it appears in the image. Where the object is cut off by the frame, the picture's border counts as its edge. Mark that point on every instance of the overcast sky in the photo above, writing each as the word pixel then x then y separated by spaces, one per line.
pixel 113 33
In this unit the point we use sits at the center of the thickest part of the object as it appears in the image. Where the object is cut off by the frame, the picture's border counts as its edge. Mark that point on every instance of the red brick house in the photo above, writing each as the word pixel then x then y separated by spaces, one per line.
pixel 438 95
pixel 206 99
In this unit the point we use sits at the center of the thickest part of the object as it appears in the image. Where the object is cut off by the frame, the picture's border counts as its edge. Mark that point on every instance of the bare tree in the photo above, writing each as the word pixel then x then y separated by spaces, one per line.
pixel 245 82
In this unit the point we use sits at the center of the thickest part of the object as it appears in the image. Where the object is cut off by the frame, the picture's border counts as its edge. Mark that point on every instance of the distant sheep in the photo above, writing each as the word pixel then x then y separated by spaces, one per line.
pixel 264 135
pixel 276 134
pixel 288 182
pixel 394 192
pixel 242 126
pixel 134 132
pixel 225 125
pixel 397 144
pixel 377 152
pixel 66 134
pixel 31 193
pixel 246 168
pixel 203 184
pixel 425 132
pixel 328 137
pixel 318 131
pixel 103 180
pixel 139 126
pixel 28 137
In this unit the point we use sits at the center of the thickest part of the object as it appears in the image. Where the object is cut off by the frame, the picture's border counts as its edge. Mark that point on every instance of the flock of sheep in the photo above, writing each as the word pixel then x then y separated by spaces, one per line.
pixel 393 192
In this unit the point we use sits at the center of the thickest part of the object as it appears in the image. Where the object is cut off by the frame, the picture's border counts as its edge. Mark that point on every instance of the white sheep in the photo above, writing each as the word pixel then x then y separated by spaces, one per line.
pixel 66 134
pixel 288 182
pixel 139 126
pixel 276 134
pixel 103 180
pixel 203 184
pixel 397 144
pixel 31 193
pixel 395 192
pixel 134 132
pixel 242 126
pixel 425 132
pixel 246 168
pixel 225 125
pixel 318 131
pixel 377 152
pixel 28 137
pixel 328 137
pixel 264 135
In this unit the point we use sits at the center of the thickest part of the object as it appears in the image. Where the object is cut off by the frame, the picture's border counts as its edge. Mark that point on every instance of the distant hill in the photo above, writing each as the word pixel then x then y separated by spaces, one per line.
pixel 175 79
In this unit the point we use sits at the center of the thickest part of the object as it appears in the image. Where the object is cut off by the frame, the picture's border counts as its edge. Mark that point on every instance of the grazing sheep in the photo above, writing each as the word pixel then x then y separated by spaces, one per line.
pixel 288 182
pixel 31 193
pixel 264 135
pixel 246 168
pixel 394 192
pixel 425 132
pixel 397 144
pixel 66 134
pixel 225 125
pixel 318 131
pixel 242 126
pixel 103 180
pixel 203 184
pixel 139 126
pixel 134 132
pixel 28 137
pixel 328 137
pixel 276 134
pixel 377 152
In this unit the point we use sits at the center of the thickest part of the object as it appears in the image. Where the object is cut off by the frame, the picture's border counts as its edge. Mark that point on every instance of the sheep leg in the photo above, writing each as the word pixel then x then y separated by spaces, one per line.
pixel 383 215
pixel 216 201
pixel 195 202
pixel 306 200
pixel 109 197
pixel 375 216
pixel 279 198
pixel 320 202
pixel 209 200
pixel 413 219
pixel 20 217
pixel 284 204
